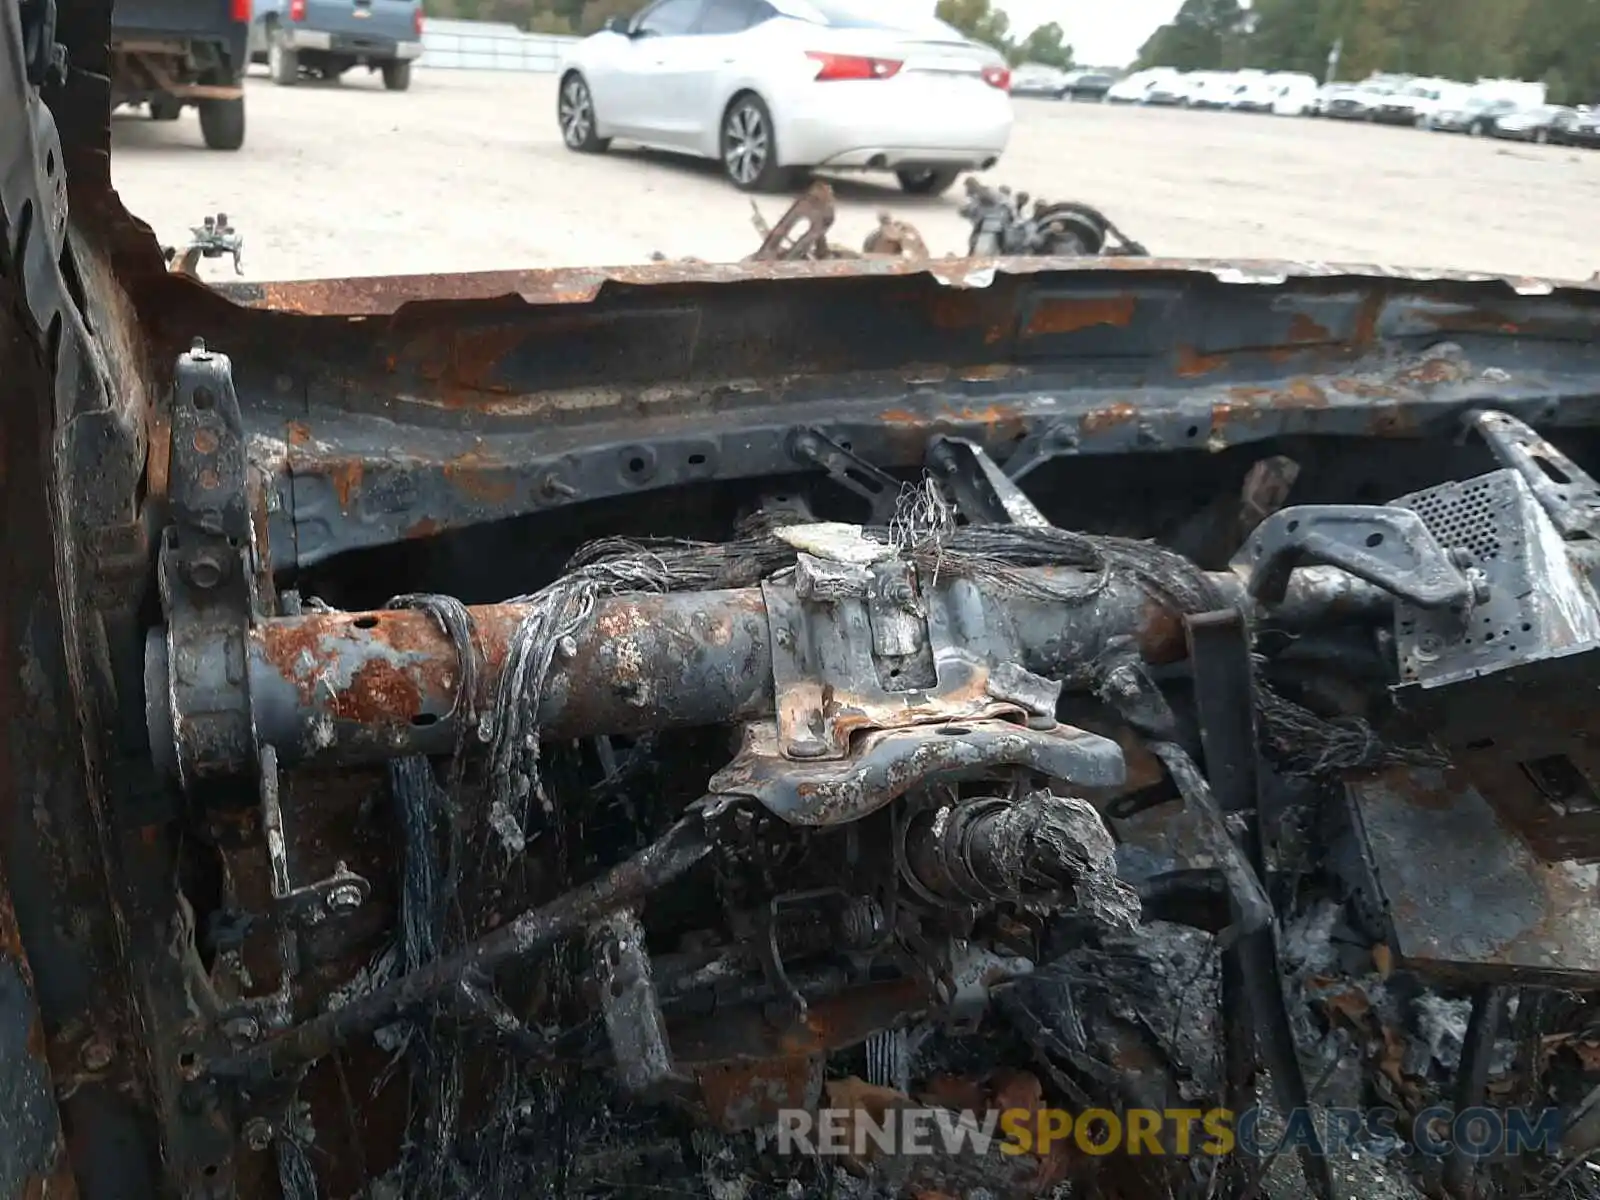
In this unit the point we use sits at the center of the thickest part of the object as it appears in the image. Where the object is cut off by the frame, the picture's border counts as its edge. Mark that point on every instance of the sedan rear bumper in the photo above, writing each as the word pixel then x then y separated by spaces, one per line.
pixel 874 127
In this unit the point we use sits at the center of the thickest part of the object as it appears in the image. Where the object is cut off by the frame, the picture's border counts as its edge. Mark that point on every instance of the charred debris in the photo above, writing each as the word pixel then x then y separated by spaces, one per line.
pixel 893 791
pixel 1003 223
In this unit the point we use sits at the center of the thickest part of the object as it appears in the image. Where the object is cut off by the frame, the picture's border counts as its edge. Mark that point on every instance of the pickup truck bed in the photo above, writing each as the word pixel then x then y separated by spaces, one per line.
pixel 167 54
pixel 328 37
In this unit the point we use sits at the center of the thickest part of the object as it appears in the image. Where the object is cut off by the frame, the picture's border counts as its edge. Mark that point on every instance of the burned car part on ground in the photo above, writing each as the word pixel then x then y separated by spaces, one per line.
pixel 512 734
pixel 999 227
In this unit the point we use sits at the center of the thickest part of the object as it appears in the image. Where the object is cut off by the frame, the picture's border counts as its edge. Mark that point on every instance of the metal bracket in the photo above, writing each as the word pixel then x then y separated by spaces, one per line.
pixel 208 589
pixel 860 647
pixel 1566 492
pixel 887 763
pixel 211 239
pixel 983 492
pixel 879 489
pixel 339 895
pixel 1388 547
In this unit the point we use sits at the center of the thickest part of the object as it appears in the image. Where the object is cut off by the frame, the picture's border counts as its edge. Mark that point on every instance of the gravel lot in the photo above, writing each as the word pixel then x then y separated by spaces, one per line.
pixel 467 172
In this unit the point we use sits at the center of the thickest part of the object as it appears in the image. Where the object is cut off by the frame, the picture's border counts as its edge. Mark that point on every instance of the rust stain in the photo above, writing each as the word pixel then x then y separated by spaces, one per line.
pixel 378 692
pixel 741 1096
pixel 158 456
pixel 426 527
pixel 299 433
pixel 475 474
pixel 1302 330
pixel 1432 371
pixel 999 419
pixel 1066 314
pixel 1191 363
pixel 345 476
pixel 1109 418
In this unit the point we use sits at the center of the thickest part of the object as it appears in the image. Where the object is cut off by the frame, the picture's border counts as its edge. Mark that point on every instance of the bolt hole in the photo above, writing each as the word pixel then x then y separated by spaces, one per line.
pixel 844 445
pixel 366 622
pixel 954 730
pixel 423 720
pixel 1293 525
pixel 636 465
pixel 1374 539
pixel 187 1059
pixel 697 460
pixel 210 1170
pixel 1527 628
pixel 1481 744
pixel 203 399
pixel 894 673
pixel 1192 431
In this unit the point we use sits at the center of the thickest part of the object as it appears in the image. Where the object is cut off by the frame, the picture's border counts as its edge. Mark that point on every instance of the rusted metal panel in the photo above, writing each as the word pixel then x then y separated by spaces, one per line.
pixel 1466 893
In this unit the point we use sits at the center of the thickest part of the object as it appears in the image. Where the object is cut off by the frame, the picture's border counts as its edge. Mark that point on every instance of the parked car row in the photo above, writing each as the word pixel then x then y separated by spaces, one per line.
pixel 1504 108
pixel 1287 93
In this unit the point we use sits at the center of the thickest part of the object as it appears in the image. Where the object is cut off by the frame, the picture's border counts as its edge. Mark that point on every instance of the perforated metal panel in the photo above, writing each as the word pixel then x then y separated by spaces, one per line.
pixel 1463 514
pixel 1538 605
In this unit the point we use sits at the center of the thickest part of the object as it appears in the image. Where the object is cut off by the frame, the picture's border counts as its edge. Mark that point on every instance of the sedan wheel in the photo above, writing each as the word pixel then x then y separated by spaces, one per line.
pixel 575 113
pixel 749 149
pixel 929 182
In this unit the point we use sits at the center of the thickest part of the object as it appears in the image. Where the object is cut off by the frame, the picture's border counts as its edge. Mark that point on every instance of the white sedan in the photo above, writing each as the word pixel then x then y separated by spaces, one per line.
pixel 773 87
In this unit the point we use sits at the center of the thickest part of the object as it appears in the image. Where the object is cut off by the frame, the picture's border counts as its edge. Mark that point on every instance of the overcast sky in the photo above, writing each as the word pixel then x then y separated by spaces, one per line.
pixel 1102 33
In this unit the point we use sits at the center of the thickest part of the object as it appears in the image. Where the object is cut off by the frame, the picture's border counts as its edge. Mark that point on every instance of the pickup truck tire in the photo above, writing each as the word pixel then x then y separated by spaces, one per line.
pixel 934 181
pixel 397 74
pixel 222 123
pixel 165 108
pixel 283 63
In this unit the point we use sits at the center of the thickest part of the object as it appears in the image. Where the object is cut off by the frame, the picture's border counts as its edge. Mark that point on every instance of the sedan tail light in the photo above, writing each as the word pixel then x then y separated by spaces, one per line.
pixel 852 66
pixel 297 10
pixel 239 10
pixel 416 20
pixel 997 77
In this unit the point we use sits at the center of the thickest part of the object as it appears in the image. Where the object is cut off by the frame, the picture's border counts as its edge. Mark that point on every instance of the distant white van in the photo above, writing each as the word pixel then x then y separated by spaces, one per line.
pixel 1296 94
pixel 1131 89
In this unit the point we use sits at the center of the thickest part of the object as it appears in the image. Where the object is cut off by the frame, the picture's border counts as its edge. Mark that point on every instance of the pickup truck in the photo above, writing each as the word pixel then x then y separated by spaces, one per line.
pixel 328 37
pixel 167 54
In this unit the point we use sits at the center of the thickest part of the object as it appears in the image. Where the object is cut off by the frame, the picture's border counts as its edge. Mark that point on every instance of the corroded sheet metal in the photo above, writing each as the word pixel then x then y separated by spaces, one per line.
pixel 380 295
pixel 1466 893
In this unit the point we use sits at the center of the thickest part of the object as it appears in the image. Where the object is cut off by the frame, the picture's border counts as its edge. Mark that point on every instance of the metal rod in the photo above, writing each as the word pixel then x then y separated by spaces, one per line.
pixel 685 844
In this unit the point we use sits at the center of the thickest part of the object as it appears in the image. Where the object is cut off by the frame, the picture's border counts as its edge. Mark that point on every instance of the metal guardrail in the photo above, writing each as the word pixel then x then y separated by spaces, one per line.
pixel 489 46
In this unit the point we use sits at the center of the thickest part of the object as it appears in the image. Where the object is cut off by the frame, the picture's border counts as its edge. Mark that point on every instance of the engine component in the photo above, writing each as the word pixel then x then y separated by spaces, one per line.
pixel 999 226
pixel 1031 850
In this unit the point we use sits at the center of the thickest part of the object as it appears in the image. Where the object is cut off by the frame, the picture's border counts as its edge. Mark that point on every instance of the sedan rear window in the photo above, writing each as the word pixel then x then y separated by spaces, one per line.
pixel 855 14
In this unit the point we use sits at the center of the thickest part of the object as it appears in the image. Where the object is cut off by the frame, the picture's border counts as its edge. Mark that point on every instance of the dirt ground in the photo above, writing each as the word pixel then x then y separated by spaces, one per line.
pixel 467 171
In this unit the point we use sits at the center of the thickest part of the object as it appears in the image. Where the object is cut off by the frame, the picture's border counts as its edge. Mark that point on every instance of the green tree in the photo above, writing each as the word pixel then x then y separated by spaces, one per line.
pixel 980 21
pixel 1047 45
pixel 1204 36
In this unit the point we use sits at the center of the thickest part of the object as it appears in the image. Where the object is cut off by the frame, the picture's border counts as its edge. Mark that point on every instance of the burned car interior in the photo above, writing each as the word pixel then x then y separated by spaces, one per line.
pixel 515 734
